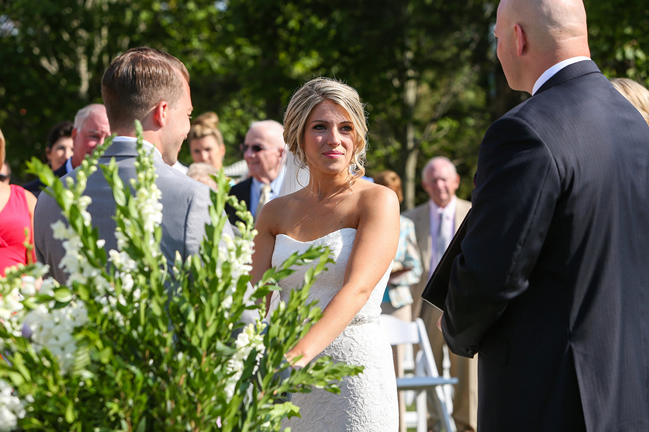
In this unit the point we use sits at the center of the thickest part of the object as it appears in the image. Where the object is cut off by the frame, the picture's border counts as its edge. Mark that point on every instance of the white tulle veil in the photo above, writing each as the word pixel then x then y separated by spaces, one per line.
pixel 295 177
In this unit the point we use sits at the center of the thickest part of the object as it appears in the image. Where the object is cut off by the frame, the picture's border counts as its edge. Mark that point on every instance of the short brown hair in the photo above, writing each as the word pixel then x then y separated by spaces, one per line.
pixel 391 180
pixel 138 80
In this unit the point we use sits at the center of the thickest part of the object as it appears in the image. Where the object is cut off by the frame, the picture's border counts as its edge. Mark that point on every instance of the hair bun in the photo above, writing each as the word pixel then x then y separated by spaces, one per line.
pixel 208 119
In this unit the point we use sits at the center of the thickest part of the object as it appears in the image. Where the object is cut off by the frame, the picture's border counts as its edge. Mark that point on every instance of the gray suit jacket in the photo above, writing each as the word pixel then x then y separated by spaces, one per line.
pixel 421 217
pixel 185 205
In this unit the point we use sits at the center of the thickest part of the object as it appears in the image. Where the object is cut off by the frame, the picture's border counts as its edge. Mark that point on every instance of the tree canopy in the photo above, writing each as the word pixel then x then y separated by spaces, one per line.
pixel 426 69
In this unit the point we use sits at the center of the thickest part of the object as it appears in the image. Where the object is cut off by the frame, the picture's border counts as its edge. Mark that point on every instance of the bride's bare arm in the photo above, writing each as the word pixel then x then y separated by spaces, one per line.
pixel 374 248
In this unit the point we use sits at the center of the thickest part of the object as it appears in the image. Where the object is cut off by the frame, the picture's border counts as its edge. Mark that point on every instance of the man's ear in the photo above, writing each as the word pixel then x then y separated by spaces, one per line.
pixel 74 133
pixel 521 39
pixel 161 113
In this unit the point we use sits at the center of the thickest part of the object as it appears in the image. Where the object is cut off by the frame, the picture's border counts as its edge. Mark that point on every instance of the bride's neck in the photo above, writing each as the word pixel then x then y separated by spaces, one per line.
pixel 324 186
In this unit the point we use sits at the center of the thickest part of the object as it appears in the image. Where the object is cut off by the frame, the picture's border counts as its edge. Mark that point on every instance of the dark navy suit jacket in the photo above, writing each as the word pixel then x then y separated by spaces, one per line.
pixel 36 186
pixel 242 192
pixel 552 286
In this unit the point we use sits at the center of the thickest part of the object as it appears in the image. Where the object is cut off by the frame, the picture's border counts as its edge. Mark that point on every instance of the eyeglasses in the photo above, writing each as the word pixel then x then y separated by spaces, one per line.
pixel 256 148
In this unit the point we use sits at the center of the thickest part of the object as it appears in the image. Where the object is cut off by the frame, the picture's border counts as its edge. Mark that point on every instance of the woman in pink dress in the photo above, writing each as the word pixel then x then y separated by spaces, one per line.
pixel 16 216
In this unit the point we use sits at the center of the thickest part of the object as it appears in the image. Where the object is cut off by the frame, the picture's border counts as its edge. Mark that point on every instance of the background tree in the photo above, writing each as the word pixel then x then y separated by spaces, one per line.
pixel 426 69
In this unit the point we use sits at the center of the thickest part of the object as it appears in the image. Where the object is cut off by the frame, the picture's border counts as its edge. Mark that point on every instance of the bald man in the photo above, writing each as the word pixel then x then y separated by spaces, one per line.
pixel 551 285
pixel 262 150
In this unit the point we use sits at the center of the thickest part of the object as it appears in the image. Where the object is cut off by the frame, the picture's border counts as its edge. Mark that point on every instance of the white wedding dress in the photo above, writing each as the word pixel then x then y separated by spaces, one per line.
pixel 367 402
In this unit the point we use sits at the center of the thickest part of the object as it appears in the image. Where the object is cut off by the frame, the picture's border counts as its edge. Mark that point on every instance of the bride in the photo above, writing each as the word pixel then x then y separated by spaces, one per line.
pixel 325 129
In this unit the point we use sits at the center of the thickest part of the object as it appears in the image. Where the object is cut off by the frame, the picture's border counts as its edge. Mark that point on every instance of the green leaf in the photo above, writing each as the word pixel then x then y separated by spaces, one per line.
pixel 105 355
pixel 141 427
pixel 70 414
pixel 62 295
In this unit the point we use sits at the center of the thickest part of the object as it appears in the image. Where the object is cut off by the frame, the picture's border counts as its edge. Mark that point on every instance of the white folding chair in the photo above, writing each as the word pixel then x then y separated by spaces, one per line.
pixel 426 377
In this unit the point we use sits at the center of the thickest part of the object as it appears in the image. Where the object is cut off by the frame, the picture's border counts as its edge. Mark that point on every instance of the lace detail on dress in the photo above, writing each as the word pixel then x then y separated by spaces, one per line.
pixel 368 402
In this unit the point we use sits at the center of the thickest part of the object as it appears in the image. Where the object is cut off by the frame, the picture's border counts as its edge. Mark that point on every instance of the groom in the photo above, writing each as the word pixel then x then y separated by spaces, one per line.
pixel 153 87
pixel 551 287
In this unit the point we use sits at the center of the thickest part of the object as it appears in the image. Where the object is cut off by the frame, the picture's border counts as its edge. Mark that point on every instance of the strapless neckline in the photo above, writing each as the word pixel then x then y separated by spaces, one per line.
pixel 316 239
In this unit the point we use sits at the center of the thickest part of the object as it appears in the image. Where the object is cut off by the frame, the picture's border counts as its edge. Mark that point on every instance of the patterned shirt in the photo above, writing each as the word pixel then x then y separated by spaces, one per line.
pixel 408 256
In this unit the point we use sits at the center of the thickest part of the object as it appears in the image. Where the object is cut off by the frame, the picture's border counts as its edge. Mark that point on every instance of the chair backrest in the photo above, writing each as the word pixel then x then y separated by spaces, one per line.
pixel 414 332
pixel 399 332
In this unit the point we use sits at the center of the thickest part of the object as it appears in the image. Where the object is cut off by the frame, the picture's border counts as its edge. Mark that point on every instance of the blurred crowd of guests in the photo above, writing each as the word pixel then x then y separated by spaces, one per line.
pixel 425 231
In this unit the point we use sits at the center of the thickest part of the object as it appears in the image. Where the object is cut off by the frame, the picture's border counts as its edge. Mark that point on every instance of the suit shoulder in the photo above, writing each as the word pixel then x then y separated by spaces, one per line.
pixel 413 213
pixel 463 204
pixel 182 188
pixel 241 186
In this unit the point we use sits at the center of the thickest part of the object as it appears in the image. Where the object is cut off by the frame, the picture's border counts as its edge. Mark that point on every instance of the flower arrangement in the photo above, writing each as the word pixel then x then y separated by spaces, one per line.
pixel 132 343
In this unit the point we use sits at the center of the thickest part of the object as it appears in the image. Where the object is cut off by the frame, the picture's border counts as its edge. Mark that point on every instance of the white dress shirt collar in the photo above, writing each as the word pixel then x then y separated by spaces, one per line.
pixel 255 190
pixel 435 220
pixel 68 165
pixel 146 144
pixel 448 210
pixel 545 76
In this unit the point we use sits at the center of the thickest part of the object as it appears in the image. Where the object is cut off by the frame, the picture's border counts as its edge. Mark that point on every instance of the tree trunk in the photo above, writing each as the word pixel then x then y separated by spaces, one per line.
pixel 412 150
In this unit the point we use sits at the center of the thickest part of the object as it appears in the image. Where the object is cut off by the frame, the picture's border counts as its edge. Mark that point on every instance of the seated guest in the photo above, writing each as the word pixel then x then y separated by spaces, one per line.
pixel 206 141
pixel 406 271
pixel 59 144
pixel 202 172
pixel 90 129
pixel 16 214
pixel 5 173
pixel 262 150
pixel 635 93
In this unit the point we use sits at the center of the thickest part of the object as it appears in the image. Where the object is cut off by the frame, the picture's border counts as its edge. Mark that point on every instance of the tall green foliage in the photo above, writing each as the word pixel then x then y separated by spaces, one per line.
pixel 132 345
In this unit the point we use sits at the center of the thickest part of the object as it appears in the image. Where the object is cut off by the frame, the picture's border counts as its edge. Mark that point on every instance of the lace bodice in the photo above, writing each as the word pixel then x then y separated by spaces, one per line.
pixel 367 402
pixel 341 243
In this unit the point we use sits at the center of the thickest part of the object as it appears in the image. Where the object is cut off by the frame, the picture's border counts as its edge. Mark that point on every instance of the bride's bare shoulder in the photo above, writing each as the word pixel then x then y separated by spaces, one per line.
pixel 375 197
pixel 276 212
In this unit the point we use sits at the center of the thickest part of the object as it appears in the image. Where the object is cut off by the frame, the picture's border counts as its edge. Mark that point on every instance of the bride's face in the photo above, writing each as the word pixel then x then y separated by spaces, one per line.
pixel 329 137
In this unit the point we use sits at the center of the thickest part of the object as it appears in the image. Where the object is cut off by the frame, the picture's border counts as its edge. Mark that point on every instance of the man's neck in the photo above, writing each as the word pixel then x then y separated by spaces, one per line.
pixel 444 206
pixel 265 179
pixel 75 161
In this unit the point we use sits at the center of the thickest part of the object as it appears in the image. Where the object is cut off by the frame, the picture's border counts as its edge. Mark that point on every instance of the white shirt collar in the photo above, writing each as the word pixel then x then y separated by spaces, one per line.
pixel 449 209
pixel 147 145
pixel 545 76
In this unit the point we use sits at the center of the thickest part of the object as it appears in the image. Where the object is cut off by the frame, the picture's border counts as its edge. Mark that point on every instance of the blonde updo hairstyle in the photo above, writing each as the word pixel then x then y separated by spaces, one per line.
pixel 306 98
pixel 204 125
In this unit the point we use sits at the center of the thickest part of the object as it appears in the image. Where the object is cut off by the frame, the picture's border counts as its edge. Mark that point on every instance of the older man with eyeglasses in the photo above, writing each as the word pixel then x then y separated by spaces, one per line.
pixel 262 151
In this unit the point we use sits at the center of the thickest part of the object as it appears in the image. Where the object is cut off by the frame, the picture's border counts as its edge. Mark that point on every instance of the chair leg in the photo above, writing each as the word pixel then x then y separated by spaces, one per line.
pixel 422 412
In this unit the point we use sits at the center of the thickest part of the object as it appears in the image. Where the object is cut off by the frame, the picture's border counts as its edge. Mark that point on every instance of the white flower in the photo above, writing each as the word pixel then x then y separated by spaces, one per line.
pixel 59 230
pixel 248 340
pixel 29 286
pixel 54 328
pixel 127 281
pixel 11 409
